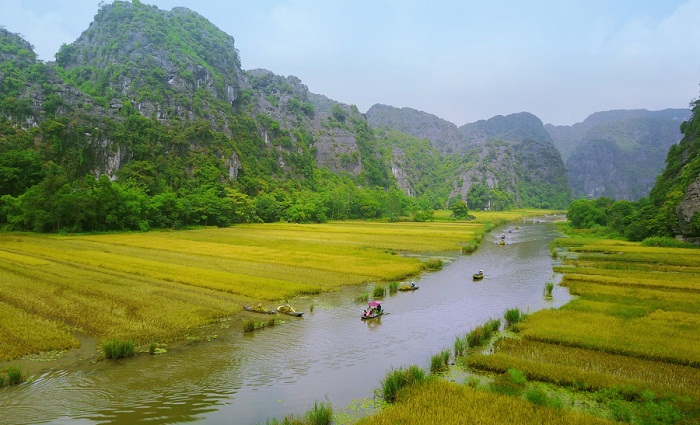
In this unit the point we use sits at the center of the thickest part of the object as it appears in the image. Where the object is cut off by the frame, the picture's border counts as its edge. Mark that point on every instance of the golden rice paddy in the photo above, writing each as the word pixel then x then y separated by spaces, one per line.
pixel 157 286
pixel 635 322
pixel 447 403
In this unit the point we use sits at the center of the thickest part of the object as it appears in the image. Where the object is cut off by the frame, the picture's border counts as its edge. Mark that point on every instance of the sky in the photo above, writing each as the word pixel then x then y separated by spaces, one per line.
pixel 462 60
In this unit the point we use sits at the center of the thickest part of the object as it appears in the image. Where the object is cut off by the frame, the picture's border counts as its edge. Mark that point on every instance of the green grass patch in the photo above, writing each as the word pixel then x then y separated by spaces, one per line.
pixel 117 349
pixel 396 379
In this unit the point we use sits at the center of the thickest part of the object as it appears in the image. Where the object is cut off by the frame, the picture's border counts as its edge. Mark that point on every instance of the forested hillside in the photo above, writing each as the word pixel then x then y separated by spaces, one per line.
pixel 503 162
pixel 148 120
pixel 672 209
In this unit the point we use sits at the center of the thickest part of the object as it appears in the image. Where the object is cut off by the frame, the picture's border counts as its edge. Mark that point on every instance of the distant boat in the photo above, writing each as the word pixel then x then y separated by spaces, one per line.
pixel 502 242
pixel 287 309
pixel 478 276
pixel 375 310
pixel 411 287
pixel 258 309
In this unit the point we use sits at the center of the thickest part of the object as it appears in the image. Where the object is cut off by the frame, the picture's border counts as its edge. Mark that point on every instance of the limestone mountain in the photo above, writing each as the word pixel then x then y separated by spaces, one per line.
pixel 502 162
pixel 618 154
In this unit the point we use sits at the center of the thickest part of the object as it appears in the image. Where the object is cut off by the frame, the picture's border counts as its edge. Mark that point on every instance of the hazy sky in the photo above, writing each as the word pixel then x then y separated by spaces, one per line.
pixel 460 60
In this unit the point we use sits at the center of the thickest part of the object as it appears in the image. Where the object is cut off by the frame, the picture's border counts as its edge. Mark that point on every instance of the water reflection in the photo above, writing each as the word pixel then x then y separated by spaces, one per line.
pixel 329 355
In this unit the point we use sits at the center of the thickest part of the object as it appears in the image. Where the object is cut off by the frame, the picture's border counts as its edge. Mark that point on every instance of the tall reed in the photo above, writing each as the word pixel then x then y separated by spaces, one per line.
pixel 548 288
pixel 14 376
pixel 117 349
pixel 461 346
pixel 434 264
pixel 379 292
pixel 397 379
pixel 321 414
pixel 512 316
pixel 440 361
pixel 393 287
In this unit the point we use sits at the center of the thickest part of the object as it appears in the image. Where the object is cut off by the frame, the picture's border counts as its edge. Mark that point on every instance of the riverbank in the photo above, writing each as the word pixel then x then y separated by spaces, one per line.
pixel 625 349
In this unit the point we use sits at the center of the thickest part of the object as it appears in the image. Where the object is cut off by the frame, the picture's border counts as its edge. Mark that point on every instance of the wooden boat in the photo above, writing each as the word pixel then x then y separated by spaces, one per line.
pixel 287 309
pixel 258 309
pixel 375 310
pixel 411 287
pixel 502 242
pixel 478 276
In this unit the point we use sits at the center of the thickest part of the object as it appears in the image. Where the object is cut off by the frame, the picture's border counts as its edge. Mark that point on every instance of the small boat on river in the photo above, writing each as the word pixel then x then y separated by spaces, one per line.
pixel 411 287
pixel 258 309
pixel 478 276
pixel 375 310
pixel 288 309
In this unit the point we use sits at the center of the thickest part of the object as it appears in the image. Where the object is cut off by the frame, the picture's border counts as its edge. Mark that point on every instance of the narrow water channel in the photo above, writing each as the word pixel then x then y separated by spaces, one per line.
pixel 328 355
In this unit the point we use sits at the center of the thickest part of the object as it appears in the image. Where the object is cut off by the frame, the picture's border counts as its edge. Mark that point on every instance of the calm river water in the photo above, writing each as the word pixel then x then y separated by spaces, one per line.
pixel 328 355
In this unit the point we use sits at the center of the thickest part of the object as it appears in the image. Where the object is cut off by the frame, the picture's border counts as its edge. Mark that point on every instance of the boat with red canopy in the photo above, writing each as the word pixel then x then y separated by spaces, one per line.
pixel 374 310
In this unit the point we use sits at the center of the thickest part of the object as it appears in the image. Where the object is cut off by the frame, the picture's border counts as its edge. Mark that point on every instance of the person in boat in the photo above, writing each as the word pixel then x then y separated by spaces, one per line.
pixel 413 284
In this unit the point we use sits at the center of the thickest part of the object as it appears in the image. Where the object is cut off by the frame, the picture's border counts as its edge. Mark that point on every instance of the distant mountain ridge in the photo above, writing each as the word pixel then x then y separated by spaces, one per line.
pixel 157 103
pixel 616 154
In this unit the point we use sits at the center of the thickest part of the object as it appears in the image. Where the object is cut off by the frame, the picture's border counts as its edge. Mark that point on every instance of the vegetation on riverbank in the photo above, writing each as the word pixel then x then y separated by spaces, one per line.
pixel 157 286
pixel 626 349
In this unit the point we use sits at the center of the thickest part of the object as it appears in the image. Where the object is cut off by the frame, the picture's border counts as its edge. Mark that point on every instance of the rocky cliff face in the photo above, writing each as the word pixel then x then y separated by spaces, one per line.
pixel 617 154
pixel 510 158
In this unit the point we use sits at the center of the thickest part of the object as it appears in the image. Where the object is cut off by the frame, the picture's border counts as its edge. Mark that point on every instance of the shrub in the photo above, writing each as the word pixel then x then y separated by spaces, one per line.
pixel 117 349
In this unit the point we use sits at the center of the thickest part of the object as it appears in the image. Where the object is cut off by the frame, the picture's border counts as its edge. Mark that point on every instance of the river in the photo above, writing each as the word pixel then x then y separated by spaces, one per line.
pixel 327 355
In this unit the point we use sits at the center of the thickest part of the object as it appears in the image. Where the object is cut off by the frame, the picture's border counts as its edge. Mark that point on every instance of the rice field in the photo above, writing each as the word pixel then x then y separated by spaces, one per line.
pixel 446 403
pixel 634 324
pixel 157 286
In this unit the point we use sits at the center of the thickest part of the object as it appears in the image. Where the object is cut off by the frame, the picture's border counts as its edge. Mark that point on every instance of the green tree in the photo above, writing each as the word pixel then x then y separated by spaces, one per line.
pixel 459 209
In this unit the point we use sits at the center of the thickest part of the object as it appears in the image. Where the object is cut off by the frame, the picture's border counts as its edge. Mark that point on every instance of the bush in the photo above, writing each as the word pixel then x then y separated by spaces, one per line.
pixel 117 349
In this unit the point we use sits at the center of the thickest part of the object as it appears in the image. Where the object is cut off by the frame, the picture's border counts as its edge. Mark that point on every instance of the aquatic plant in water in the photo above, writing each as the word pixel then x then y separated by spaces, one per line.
pixel 117 349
